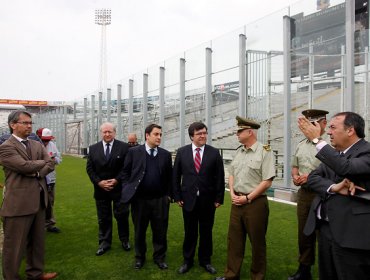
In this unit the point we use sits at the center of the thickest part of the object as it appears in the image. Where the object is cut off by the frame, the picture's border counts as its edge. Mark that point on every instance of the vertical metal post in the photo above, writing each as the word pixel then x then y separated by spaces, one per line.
pixel 209 93
pixel 64 128
pixel 310 76
pixel 145 100
pixel 119 116
pixel 366 82
pixel 100 109
pixel 269 89
pixel 60 143
pixel 242 110
pixel 350 56
pixel 92 121
pixel 74 110
pixel 343 79
pixel 131 105
pixel 109 104
pixel 287 100
pixel 161 100
pixel 85 124
pixel 182 102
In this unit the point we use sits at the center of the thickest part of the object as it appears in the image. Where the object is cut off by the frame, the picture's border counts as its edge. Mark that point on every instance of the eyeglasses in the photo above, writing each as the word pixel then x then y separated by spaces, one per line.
pixel 200 133
pixel 26 123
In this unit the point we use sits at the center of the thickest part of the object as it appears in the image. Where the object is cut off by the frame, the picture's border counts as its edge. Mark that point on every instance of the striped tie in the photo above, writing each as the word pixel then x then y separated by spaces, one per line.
pixel 28 148
pixel 197 160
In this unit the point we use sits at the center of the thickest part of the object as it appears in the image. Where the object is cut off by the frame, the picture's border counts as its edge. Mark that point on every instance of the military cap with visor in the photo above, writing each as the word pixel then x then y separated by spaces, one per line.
pixel 245 123
pixel 315 115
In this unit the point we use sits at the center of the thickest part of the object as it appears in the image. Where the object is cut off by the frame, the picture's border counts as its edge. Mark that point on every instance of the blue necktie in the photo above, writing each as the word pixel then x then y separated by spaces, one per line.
pixel 107 153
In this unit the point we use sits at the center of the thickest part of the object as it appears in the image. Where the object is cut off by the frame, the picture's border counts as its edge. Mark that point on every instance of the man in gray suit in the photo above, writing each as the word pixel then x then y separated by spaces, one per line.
pixel 25 163
pixel 341 210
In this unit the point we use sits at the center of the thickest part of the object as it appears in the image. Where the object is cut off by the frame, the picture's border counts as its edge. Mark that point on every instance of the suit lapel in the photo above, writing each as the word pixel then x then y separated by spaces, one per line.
pixel 190 158
pixel 354 149
pixel 19 146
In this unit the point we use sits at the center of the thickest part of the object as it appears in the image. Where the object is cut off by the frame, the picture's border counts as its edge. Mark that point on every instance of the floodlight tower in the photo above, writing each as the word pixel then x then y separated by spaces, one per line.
pixel 103 18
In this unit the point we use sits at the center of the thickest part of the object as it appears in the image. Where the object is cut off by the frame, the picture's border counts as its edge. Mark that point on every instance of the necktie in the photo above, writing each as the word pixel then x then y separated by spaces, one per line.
pixel 107 152
pixel 28 149
pixel 197 160
pixel 152 152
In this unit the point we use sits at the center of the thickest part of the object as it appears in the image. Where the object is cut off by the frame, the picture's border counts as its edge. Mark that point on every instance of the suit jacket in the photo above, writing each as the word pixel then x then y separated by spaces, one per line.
pixel 134 170
pixel 22 187
pixel 348 216
pixel 210 181
pixel 99 168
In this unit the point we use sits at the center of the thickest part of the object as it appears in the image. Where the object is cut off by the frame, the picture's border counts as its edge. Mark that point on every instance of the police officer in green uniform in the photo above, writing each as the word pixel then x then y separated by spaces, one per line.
pixel 251 173
pixel 303 162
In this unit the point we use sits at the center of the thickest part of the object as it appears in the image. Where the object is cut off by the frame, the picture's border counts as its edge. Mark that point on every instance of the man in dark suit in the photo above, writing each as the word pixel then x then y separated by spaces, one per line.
pixel 146 184
pixel 104 167
pixel 339 211
pixel 25 163
pixel 199 188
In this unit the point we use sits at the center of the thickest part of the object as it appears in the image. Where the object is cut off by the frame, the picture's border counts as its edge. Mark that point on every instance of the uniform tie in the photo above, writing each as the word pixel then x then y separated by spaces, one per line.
pixel 107 151
pixel 197 160
pixel 28 149
pixel 152 153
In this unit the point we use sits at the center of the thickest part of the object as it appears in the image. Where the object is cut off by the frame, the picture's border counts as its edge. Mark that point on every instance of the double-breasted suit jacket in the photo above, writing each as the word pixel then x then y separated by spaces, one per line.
pixel 134 171
pixel 210 181
pixel 22 185
pixel 99 168
pixel 348 216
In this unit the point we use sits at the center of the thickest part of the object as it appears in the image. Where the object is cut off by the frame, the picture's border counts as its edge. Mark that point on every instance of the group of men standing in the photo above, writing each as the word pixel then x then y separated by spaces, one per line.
pixel 143 176
pixel 334 196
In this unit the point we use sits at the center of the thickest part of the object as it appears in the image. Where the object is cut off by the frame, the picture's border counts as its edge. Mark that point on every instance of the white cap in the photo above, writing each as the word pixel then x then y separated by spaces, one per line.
pixel 46 134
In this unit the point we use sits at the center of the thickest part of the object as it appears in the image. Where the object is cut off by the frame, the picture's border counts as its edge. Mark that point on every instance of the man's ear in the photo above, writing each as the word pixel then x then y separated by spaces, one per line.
pixel 350 131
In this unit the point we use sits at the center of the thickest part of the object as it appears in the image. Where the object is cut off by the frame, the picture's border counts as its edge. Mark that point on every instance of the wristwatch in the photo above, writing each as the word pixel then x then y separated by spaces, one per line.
pixel 316 140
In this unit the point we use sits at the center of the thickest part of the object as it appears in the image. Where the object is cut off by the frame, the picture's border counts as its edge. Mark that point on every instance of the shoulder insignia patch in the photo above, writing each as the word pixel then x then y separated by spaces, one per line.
pixel 267 148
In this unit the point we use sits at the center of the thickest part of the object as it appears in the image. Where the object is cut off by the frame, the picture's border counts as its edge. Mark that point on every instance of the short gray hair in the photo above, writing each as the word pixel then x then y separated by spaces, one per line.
pixel 14 117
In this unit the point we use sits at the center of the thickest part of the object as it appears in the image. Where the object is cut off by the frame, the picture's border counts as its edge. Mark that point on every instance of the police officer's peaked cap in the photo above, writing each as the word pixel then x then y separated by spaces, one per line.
pixel 244 123
pixel 314 115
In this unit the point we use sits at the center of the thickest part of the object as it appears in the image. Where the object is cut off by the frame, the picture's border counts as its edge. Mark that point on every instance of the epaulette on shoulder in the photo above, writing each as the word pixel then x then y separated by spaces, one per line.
pixel 267 148
pixel 239 147
pixel 304 139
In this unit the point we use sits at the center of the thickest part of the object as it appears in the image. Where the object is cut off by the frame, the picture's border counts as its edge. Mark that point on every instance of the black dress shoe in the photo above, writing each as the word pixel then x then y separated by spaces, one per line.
pixel 162 265
pixel 303 273
pixel 184 268
pixel 209 268
pixel 126 245
pixel 220 278
pixel 139 264
pixel 53 229
pixel 102 251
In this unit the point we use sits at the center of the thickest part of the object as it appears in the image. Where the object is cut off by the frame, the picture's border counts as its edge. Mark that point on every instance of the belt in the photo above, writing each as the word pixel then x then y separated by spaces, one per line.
pixel 240 194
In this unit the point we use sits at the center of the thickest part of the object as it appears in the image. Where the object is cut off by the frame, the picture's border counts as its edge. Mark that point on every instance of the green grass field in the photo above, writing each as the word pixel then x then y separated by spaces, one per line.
pixel 72 252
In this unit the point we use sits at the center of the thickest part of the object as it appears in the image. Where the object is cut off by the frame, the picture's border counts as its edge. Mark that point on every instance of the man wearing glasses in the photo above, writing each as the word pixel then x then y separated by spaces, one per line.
pixel 199 187
pixel 25 163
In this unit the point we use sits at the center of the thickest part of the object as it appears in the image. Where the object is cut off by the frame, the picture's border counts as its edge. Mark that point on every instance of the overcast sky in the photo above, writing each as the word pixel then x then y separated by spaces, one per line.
pixel 50 50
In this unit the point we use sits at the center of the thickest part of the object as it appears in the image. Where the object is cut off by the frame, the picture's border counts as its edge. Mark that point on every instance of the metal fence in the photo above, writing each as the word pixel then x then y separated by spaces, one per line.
pixel 269 70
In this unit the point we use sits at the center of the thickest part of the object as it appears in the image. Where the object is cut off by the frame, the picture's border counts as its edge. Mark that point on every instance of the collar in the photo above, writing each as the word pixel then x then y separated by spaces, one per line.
pixel 19 138
pixel 110 143
pixel 346 150
pixel 193 147
pixel 147 148
pixel 253 147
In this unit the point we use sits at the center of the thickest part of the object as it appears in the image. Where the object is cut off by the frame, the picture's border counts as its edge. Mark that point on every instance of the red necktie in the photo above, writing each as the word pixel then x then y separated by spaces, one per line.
pixel 197 160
